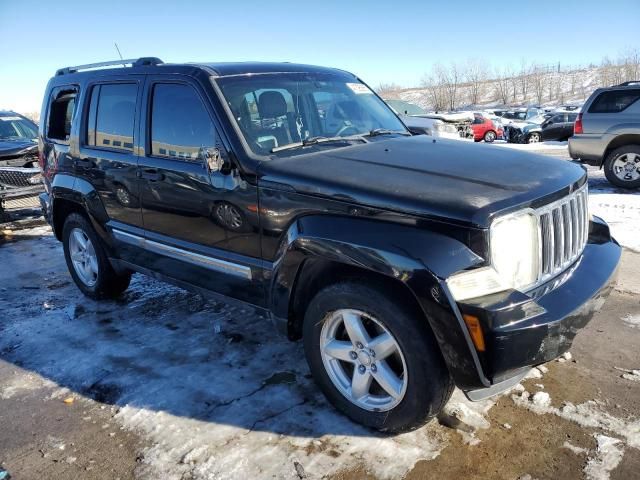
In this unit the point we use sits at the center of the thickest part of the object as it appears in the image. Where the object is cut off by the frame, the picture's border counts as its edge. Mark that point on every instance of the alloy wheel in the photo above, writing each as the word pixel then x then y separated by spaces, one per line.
pixel 363 360
pixel 83 257
pixel 627 167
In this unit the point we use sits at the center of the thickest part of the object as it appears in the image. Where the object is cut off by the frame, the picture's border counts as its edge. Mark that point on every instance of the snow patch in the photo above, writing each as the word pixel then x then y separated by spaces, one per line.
pixel 588 414
pixel 541 399
pixel 609 453
pixel 633 375
pixel 575 449
pixel 632 321
pixel 622 213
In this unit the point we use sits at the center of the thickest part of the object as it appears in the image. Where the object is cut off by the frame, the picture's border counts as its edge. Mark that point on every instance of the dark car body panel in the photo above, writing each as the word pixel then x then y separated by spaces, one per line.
pixel 411 210
pixel 484 182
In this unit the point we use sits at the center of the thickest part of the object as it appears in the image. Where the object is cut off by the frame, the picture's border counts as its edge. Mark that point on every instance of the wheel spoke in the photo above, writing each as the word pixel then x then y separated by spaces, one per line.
pixel 76 256
pixel 80 239
pixel 355 328
pixel 388 380
pixel 383 346
pixel 92 263
pixel 360 383
pixel 339 350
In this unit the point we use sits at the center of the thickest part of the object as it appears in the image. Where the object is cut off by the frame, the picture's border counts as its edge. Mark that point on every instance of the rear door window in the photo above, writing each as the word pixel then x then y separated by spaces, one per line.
pixel 614 101
pixel 111 116
pixel 180 123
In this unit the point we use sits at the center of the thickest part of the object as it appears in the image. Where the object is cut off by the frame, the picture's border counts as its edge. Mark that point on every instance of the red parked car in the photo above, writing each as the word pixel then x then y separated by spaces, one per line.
pixel 484 129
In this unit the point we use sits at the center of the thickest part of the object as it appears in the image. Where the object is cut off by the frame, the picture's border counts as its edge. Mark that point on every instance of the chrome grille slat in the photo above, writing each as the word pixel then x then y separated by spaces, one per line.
pixel 563 232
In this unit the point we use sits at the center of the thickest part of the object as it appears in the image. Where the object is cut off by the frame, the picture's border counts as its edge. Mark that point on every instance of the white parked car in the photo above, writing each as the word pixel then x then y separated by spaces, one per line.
pixel 418 120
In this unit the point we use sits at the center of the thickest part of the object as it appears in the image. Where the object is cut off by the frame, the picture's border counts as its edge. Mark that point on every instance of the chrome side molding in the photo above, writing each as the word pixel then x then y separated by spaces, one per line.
pixel 210 263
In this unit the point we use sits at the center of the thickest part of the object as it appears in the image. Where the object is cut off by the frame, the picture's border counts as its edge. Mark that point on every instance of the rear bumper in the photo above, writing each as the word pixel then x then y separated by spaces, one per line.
pixel 588 148
pixel 524 330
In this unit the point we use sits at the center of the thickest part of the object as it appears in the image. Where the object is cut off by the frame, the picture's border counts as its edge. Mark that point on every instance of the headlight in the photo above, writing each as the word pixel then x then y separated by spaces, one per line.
pixel 514 250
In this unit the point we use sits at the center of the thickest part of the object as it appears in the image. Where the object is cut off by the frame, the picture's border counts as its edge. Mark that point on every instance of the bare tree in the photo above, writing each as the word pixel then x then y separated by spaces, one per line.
pixel 503 82
pixel 538 82
pixel 388 89
pixel 476 76
pixel 525 79
pixel 435 92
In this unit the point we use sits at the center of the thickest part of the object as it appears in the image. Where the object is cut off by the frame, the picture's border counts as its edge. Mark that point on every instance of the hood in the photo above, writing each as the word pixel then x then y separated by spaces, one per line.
pixel 444 179
pixel 19 146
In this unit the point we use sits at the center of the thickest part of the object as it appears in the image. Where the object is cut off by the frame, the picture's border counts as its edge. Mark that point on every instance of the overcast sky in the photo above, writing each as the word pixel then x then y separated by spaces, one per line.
pixel 390 42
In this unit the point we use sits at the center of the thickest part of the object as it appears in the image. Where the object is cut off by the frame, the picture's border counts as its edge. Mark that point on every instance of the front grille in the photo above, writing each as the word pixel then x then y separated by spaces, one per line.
pixel 563 232
pixel 12 177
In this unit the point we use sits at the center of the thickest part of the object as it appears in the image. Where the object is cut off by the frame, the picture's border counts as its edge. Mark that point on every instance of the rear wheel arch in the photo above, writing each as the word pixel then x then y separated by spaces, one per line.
pixel 62 208
pixel 620 141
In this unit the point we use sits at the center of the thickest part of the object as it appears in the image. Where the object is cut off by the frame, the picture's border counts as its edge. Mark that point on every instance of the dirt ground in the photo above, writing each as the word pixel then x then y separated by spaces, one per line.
pixel 162 384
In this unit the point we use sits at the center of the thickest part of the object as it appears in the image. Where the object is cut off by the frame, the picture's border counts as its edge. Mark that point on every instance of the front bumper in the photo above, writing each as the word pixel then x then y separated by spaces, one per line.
pixel 524 330
pixel 45 205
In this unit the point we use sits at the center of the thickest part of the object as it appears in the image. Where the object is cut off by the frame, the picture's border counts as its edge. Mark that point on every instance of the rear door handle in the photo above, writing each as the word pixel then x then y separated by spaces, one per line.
pixel 151 174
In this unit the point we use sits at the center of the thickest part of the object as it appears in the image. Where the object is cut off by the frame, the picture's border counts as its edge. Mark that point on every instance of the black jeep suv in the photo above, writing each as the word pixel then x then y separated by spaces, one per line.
pixel 407 265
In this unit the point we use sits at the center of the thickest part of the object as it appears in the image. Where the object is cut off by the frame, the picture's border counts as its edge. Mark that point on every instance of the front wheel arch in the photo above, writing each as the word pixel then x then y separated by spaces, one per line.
pixel 316 274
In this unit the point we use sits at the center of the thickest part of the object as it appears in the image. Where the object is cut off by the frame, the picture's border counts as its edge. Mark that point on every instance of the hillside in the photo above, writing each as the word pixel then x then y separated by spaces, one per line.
pixel 451 89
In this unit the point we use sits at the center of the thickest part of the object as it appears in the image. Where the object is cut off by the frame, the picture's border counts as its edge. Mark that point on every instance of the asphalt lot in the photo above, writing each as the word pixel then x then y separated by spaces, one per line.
pixel 161 384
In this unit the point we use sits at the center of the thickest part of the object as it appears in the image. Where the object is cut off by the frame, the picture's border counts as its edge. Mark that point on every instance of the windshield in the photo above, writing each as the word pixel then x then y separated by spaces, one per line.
pixel 405 108
pixel 295 109
pixel 17 128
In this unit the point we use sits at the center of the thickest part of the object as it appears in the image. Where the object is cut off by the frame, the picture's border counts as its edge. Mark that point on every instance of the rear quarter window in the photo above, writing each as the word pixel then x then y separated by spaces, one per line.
pixel 614 101
pixel 61 113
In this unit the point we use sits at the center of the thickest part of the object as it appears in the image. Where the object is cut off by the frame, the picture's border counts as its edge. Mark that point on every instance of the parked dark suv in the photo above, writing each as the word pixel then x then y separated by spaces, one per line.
pixel 406 264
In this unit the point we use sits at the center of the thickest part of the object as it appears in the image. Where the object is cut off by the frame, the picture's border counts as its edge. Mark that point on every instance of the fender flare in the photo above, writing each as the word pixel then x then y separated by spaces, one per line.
pixel 419 258
pixel 79 191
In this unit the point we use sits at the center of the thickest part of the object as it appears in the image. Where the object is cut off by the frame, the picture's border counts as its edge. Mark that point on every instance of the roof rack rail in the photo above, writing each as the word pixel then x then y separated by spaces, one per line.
pixel 631 82
pixel 134 62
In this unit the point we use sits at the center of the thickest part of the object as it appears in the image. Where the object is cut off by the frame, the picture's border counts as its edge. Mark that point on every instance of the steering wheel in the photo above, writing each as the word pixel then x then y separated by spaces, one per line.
pixel 346 128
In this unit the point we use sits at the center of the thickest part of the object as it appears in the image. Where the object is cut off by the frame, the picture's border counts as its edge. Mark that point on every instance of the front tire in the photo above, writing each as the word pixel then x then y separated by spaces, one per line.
pixel 87 260
pixel 622 166
pixel 376 360
pixel 534 137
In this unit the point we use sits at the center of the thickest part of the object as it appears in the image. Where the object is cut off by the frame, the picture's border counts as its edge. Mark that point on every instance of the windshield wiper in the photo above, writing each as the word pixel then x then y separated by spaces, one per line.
pixel 383 131
pixel 317 140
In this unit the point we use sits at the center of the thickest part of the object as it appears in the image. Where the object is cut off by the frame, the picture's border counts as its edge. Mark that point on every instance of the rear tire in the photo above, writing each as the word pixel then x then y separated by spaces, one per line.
pixel 87 260
pixel 490 136
pixel 622 166
pixel 421 382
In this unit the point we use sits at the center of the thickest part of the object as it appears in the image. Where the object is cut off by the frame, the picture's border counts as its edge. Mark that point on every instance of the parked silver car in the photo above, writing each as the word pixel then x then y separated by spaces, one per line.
pixel 607 133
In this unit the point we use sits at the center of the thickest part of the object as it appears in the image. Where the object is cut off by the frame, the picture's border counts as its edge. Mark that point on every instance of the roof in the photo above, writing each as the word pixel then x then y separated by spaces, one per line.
pixel 224 69
pixel 221 69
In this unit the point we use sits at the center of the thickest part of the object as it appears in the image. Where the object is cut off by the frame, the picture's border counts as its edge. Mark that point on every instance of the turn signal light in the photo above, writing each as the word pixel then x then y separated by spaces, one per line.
pixel 475 330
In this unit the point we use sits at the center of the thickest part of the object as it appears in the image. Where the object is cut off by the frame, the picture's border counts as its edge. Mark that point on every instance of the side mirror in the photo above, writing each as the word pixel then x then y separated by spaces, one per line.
pixel 213 158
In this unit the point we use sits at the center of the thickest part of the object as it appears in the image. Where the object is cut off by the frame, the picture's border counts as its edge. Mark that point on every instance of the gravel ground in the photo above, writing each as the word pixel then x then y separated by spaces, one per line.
pixel 162 384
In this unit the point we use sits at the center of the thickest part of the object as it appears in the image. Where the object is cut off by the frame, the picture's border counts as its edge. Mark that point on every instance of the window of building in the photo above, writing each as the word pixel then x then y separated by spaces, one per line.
pixel 111 116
